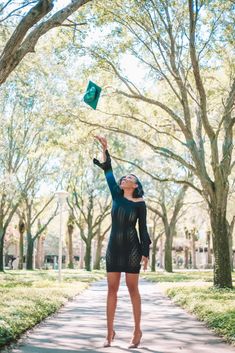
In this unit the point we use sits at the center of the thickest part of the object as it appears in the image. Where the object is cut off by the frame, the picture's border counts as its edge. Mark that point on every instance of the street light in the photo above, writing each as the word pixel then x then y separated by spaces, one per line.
pixel 61 196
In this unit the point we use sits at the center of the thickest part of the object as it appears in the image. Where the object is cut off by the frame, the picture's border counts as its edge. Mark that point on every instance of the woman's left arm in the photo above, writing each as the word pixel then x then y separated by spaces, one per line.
pixel 143 232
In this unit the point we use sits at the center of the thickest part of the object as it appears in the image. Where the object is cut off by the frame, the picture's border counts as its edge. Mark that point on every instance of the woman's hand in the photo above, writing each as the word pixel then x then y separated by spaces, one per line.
pixel 102 141
pixel 144 262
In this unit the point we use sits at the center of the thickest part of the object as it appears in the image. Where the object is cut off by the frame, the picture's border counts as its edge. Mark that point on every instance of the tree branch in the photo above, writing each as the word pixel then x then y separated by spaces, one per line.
pixel 178 205
pixel 4 6
pixel 160 150
pixel 156 211
pixel 16 49
pixel 232 166
pixel 40 212
pixel 30 19
pixel 162 180
pixel 228 122
pixel 152 127
pixel 160 105
pixel 196 71
pixel 78 206
pixel 17 9
pixel 46 224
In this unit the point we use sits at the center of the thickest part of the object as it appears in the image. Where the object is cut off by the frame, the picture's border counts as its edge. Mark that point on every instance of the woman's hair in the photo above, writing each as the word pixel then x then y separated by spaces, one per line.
pixel 138 192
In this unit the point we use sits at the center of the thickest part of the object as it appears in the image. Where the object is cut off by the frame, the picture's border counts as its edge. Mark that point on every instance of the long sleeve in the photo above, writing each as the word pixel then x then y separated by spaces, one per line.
pixel 143 232
pixel 107 167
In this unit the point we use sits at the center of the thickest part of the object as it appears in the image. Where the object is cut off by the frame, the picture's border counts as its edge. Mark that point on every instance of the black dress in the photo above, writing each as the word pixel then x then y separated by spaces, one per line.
pixel 125 246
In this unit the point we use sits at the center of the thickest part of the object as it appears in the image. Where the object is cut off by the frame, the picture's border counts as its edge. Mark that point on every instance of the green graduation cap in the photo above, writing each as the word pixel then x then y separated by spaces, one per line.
pixel 92 94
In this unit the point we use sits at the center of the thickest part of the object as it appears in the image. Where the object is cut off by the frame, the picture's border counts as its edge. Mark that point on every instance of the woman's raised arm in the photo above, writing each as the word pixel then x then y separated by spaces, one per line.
pixel 107 167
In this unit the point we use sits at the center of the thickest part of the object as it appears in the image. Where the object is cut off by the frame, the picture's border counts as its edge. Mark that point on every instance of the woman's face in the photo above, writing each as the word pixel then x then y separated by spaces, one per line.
pixel 128 182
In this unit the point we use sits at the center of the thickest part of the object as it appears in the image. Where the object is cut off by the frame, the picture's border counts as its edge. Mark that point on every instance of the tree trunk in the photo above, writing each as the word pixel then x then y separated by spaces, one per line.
pixel 43 251
pixel 194 264
pixel 29 256
pixel 154 254
pixel 21 252
pixel 1 250
pixel 161 252
pixel 209 257
pixel 88 257
pixel 186 257
pixel 40 252
pixel 98 253
pixel 230 240
pixel 21 226
pixel 81 256
pixel 70 246
pixel 230 228
pixel 168 253
pixel 222 266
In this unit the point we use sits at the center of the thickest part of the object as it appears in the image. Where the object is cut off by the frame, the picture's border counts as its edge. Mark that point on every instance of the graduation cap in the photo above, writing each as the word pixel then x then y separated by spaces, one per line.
pixel 92 94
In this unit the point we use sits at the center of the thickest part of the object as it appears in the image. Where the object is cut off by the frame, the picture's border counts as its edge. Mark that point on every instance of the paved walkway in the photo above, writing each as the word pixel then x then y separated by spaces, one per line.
pixel 80 326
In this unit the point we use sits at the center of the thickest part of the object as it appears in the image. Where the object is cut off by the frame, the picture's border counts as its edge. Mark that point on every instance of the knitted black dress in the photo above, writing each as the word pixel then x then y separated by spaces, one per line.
pixel 125 246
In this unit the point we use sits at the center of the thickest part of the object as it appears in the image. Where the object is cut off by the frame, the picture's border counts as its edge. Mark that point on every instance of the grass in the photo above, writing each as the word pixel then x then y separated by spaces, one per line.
pixel 27 297
pixel 180 276
pixel 193 291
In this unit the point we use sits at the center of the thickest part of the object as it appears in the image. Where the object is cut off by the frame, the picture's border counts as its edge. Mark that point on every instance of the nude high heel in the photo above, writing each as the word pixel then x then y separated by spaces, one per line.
pixel 136 343
pixel 107 343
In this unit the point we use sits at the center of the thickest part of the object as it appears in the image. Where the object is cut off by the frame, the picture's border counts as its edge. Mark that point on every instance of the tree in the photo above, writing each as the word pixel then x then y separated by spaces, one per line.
pixel 155 236
pixel 34 208
pixel 88 211
pixel 15 145
pixel 39 258
pixel 181 45
pixel 192 235
pixel 99 244
pixel 32 25
pixel 35 168
pixel 169 222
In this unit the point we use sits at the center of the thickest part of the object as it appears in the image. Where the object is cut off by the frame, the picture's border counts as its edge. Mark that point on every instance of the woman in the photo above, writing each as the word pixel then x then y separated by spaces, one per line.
pixel 125 252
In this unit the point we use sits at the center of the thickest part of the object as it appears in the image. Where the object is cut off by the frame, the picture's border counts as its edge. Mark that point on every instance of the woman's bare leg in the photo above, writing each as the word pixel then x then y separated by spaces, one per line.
pixel 113 279
pixel 132 285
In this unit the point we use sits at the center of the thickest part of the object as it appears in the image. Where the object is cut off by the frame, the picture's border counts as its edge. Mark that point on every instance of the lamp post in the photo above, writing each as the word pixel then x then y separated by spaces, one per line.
pixel 61 196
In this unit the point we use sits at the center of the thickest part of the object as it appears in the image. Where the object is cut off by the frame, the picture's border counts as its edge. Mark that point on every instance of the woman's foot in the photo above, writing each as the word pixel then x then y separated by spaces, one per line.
pixel 136 339
pixel 109 339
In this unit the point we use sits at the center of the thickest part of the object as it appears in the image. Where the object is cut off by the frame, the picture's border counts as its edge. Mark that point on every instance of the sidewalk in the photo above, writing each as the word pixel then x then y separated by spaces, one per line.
pixel 80 326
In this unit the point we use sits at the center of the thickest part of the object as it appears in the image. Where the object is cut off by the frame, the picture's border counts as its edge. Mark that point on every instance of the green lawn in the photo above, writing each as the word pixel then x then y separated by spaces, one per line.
pixel 193 291
pixel 180 276
pixel 27 297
